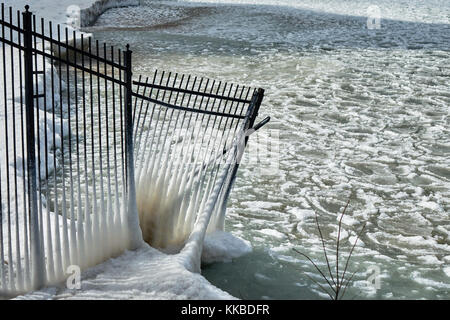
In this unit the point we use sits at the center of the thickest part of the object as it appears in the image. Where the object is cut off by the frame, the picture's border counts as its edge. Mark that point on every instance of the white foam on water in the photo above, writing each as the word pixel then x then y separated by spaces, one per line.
pixel 362 114
pixel 411 11
pixel 272 233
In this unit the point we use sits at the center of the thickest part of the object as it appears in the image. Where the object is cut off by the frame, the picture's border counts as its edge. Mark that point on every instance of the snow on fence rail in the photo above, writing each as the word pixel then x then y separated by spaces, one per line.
pixel 75 127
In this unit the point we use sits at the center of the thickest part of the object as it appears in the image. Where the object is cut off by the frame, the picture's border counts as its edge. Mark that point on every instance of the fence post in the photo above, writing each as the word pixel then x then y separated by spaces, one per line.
pixel 38 270
pixel 253 110
pixel 135 233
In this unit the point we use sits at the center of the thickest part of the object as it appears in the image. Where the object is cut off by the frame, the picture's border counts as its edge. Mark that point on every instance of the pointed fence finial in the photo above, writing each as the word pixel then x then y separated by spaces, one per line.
pixel 128 46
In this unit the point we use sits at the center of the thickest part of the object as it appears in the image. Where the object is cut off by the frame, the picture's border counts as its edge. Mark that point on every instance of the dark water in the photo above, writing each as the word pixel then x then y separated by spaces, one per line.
pixel 357 114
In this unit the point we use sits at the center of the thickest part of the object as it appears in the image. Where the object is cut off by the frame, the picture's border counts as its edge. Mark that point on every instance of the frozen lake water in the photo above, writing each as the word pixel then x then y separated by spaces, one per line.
pixel 360 114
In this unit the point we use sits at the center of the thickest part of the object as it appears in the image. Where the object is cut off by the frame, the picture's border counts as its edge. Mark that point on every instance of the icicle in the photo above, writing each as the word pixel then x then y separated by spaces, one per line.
pixel 56 226
pixel 79 229
pixel 88 242
pixel 2 250
pixel 50 261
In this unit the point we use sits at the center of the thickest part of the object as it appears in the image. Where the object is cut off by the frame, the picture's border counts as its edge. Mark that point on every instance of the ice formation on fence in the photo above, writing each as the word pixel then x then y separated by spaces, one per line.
pixel 74 134
pixel 181 153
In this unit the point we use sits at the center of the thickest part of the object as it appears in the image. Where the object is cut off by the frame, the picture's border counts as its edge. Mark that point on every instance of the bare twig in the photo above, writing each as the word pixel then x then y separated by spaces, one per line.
pixel 317 268
pixel 337 249
pixel 347 283
pixel 351 251
pixel 339 284
pixel 324 250
pixel 321 287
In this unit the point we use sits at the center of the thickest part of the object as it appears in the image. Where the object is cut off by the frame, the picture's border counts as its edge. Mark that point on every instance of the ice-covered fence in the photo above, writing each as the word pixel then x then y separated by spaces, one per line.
pixel 65 148
pixel 87 154
pixel 187 129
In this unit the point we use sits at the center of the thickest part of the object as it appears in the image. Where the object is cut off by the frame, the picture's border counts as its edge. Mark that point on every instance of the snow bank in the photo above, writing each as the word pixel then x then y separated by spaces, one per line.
pixel 147 273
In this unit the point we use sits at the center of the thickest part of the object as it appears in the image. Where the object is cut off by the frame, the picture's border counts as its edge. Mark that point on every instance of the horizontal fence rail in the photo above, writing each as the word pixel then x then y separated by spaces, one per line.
pixel 91 160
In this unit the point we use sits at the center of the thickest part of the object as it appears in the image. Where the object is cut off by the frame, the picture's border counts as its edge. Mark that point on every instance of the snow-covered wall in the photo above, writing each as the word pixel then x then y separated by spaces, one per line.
pixel 89 15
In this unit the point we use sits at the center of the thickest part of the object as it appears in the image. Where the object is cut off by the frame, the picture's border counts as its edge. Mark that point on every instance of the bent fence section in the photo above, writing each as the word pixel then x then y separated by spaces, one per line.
pixel 88 154
pixel 184 129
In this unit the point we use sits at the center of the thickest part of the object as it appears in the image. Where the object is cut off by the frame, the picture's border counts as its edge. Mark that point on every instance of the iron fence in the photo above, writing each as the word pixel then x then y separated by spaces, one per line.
pixel 88 154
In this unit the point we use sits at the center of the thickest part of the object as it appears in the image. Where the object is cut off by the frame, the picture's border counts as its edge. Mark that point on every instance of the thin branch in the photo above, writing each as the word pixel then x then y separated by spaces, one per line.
pixel 321 287
pixel 341 284
pixel 317 268
pixel 347 283
pixel 351 251
pixel 337 247
pixel 324 250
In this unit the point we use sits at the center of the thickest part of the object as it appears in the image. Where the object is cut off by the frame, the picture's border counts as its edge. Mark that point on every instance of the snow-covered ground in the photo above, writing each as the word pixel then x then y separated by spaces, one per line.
pixel 51 10
pixel 145 273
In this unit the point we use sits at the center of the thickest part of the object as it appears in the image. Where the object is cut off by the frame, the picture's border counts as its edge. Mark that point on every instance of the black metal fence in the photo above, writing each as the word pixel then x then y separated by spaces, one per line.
pixel 183 128
pixel 75 127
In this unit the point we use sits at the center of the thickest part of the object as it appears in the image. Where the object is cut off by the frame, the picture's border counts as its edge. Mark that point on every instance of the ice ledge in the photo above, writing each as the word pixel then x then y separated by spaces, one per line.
pixel 145 273
pixel 221 246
